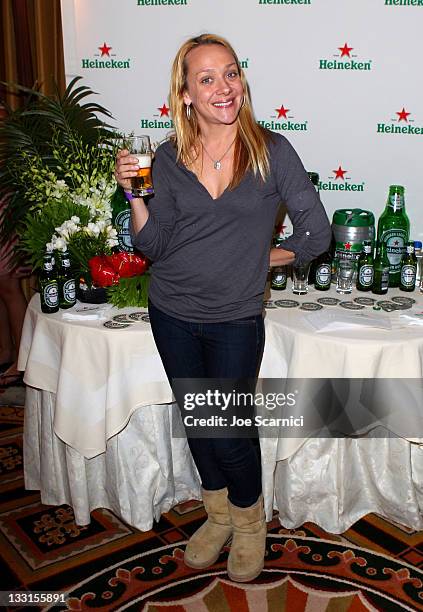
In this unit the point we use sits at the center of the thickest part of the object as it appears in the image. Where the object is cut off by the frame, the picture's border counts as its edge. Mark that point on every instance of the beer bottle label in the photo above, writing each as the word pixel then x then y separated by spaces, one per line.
pixel 51 294
pixel 384 281
pixel 395 240
pixel 279 277
pixel 66 263
pixel 396 201
pixel 48 265
pixel 69 291
pixel 365 275
pixel 323 274
pixel 122 227
pixel 408 275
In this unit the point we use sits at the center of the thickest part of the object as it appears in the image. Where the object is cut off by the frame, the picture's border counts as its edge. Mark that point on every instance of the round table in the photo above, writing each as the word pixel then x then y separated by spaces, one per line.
pixel 98 427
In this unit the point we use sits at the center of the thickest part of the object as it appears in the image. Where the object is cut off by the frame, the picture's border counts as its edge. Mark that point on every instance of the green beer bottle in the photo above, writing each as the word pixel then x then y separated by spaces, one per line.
pixel 121 216
pixel 381 271
pixel 323 272
pixel 393 230
pixel 278 281
pixel 365 267
pixel 408 269
pixel 67 285
pixel 49 287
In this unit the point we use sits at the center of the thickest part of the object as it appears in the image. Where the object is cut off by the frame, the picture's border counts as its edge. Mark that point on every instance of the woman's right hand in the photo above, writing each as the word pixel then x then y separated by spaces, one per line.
pixel 126 167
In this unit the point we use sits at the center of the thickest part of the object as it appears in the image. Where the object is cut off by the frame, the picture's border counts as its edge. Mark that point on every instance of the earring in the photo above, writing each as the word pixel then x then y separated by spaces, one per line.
pixel 188 111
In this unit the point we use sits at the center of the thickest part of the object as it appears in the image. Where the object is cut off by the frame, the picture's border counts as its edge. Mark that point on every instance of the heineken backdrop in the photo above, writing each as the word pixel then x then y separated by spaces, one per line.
pixel 340 79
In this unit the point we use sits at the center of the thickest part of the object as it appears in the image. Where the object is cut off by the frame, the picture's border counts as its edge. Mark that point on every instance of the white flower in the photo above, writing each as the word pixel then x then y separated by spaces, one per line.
pixel 67 229
pixel 75 219
pixel 49 247
pixel 59 244
pixel 112 242
pixel 93 229
pixel 59 188
pixel 111 232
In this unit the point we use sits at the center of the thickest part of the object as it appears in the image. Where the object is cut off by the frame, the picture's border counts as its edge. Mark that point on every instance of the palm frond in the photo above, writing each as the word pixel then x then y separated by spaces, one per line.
pixel 30 133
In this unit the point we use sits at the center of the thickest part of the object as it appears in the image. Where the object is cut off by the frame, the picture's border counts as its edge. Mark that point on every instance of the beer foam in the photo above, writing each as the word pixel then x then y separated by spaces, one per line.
pixel 144 161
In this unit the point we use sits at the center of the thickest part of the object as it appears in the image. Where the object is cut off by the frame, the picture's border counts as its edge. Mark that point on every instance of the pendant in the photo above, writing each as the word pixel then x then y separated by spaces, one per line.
pixel 217 165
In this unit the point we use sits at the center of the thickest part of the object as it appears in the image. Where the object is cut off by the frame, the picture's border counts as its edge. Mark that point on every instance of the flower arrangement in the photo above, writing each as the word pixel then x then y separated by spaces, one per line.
pixel 74 213
pixel 57 161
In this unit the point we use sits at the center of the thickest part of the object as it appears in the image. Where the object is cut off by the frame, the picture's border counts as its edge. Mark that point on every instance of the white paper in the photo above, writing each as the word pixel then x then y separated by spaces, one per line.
pixel 86 312
pixel 325 320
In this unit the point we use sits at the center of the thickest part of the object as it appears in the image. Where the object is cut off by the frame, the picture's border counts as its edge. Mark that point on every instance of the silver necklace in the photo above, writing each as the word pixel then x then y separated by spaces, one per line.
pixel 216 162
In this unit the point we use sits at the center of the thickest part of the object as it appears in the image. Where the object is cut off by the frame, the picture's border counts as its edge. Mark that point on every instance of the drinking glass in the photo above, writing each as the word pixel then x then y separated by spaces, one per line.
pixel 345 274
pixel 140 147
pixel 300 278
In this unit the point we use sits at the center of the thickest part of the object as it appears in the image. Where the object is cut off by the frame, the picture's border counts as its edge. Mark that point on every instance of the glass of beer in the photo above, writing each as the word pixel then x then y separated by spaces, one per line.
pixel 139 147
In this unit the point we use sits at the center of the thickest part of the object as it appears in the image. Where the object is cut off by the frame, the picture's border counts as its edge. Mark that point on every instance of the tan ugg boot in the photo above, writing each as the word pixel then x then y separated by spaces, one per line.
pixel 246 558
pixel 205 545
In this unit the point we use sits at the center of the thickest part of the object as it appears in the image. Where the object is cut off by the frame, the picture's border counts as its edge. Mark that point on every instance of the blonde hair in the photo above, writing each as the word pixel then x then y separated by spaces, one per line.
pixel 251 150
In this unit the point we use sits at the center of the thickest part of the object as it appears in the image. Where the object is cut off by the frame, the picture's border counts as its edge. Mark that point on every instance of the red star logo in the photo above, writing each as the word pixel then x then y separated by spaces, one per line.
pixel 105 50
pixel 402 116
pixel 340 173
pixel 396 243
pixel 348 245
pixel 164 110
pixel 282 112
pixel 345 50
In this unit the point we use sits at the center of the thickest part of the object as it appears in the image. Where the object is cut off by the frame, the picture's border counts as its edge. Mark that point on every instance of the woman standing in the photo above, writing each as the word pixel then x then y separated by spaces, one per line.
pixel 218 182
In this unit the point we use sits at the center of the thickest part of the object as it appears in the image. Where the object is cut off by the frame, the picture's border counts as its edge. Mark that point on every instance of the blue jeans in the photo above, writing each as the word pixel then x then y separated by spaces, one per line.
pixel 231 349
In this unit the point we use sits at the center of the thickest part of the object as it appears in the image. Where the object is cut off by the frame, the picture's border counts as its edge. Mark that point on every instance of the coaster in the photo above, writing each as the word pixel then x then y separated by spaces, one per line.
pixel 328 301
pixel 402 299
pixel 310 306
pixel 387 305
pixel 269 304
pixel 351 306
pixel 116 325
pixel 287 303
pixel 122 318
pixel 137 316
pixel 383 303
pixel 404 306
pixel 365 301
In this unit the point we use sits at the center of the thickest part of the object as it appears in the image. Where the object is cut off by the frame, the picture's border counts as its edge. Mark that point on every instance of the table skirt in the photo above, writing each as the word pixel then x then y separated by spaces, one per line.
pixel 145 472
pixel 336 482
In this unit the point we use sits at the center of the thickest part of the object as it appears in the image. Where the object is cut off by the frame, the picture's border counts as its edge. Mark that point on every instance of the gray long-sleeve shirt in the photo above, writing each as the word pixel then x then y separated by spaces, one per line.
pixel 210 257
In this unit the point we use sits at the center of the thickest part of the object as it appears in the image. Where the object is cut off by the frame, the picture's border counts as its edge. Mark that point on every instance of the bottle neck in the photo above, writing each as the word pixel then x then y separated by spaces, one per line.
pixel 382 250
pixel 395 202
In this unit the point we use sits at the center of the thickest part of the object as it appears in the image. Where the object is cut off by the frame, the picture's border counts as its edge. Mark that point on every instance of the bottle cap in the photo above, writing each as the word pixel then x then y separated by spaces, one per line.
pixel 396 189
pixel 417 244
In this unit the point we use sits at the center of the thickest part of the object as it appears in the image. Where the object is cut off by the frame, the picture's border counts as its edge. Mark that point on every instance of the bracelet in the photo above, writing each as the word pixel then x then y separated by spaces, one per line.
pixel 128 195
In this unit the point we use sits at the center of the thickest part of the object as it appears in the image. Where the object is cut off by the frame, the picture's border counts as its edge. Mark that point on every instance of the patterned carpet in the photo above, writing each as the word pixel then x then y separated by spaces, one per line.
pixel 109 565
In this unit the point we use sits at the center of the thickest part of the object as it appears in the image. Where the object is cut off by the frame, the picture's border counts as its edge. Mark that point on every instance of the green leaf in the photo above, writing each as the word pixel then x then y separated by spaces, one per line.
pixel 131 291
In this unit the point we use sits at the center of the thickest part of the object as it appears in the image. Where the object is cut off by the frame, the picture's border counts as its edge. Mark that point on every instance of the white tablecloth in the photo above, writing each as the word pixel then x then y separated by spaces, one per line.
pixel 103 383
